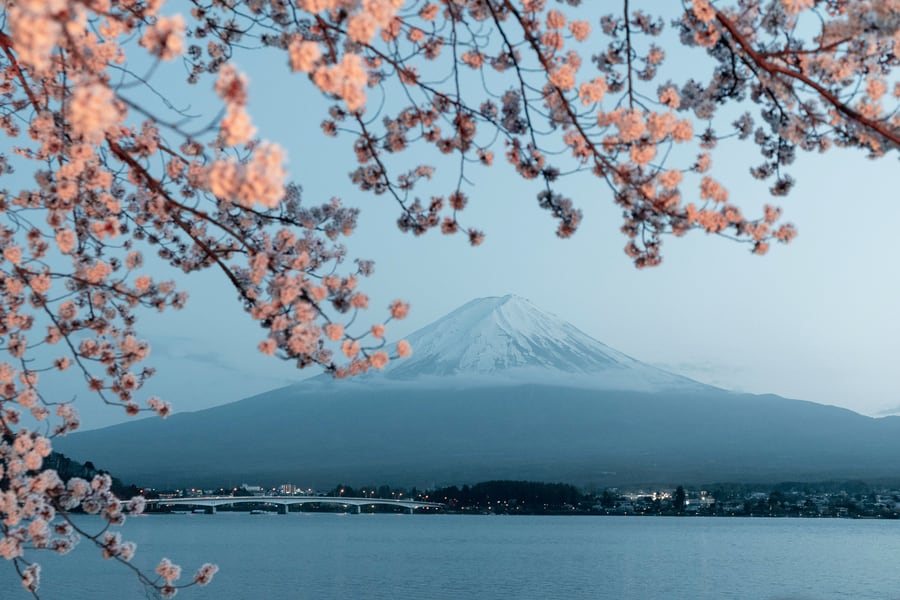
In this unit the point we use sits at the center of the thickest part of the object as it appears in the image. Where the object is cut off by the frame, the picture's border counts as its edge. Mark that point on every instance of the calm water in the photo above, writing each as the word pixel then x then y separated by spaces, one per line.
pixel 307 555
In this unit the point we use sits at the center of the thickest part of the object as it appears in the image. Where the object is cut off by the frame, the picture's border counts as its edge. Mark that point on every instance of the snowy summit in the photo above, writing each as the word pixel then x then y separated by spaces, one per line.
pixel 503 340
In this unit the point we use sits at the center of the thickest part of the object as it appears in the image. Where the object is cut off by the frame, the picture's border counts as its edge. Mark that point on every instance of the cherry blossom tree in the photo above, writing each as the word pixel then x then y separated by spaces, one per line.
pixel 549 88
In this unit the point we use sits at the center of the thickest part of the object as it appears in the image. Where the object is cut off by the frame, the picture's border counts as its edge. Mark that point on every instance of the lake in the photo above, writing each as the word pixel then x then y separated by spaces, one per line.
pixel 390 556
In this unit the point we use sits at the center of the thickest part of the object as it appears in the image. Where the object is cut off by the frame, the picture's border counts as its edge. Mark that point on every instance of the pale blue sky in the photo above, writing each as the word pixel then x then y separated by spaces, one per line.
pixel 815 320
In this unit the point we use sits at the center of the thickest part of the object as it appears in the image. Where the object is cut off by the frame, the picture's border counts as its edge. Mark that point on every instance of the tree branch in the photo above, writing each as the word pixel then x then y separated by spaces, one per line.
pixel 773 69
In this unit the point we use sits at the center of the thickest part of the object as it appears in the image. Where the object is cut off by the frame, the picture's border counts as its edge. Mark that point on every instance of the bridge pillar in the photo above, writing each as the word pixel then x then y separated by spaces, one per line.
pixel 210 510
pixel 357 509
pixel 411 510
pixel 282 509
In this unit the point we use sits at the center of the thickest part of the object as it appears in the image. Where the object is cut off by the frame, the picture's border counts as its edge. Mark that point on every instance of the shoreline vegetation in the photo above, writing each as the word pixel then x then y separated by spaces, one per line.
pixel 850 499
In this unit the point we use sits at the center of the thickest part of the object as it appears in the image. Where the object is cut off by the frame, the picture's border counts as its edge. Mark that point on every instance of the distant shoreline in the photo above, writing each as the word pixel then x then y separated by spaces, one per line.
pixel 851 500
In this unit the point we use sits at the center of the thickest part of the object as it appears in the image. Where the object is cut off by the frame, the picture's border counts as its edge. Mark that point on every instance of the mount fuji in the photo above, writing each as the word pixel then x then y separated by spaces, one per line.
pixel 507 340
pixel 499 389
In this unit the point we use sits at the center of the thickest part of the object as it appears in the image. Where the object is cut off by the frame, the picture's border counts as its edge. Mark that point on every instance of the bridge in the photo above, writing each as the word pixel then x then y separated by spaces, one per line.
pixel 209 503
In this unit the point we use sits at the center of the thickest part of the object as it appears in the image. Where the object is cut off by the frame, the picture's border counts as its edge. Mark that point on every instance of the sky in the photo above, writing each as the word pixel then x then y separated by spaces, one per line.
pixel 815 320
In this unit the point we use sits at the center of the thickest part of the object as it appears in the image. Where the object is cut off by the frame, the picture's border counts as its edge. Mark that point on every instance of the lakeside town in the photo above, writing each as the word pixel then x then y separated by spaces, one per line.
pixel 834 499
pixel 823 500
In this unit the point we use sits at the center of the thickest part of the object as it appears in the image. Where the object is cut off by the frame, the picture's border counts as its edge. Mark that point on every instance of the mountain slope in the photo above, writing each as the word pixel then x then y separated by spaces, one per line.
pixel 517 432
pixel 499 389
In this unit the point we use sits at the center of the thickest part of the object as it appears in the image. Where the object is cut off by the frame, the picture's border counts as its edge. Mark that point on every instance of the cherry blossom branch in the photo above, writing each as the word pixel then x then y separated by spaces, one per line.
pixel 157 187
pixel 7 43
pixel 772 68
pixel 606 165
pixel 628 54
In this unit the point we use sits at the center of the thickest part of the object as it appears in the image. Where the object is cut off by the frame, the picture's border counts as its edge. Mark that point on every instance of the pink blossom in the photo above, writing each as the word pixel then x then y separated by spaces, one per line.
pixel 630 125
pixel 168 570
pixel 711 190
pixel 669 97
pixel 23 443
pixel 303 55
pixel 231 85
pixel 164 37
pixel 682 131
pixel 641 154
pixel 580 30
pixel 350 348
pixel 359 301
pixel 268 347
pixel 670 179
pixel 205 574
pixel 65 239
pixel 703 163
pixel 33 461
pixel 361 27
pixel 163 409
pixel 796 6
pixel 563 77
pixel 875 88
pixel 12 254
pixel 703 10
pixel 42 446
pixel 334 331
pixel 379 360
pixel 399 309
pixel 92 112
pixel 10 547
pixel 31 577
pixel 429 11
pixel 35 33
pixel 473 58
pixel 236 127
pixel 556 20
pixel 593 91
pixel 659 125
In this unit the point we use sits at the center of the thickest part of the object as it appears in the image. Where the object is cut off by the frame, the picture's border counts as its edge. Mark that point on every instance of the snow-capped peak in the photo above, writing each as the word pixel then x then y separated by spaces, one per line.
pixel 488 335
pixel 509 339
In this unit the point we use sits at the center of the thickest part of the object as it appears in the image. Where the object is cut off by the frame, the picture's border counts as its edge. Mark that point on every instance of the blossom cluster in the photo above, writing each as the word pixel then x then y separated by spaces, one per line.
pixel 34 499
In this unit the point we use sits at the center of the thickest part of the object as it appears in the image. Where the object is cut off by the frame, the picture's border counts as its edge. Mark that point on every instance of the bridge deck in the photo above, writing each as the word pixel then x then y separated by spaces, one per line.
pixel 291 500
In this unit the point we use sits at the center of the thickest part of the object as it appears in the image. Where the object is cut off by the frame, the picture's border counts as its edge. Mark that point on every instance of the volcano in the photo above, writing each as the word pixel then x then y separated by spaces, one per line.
pixel 499 389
